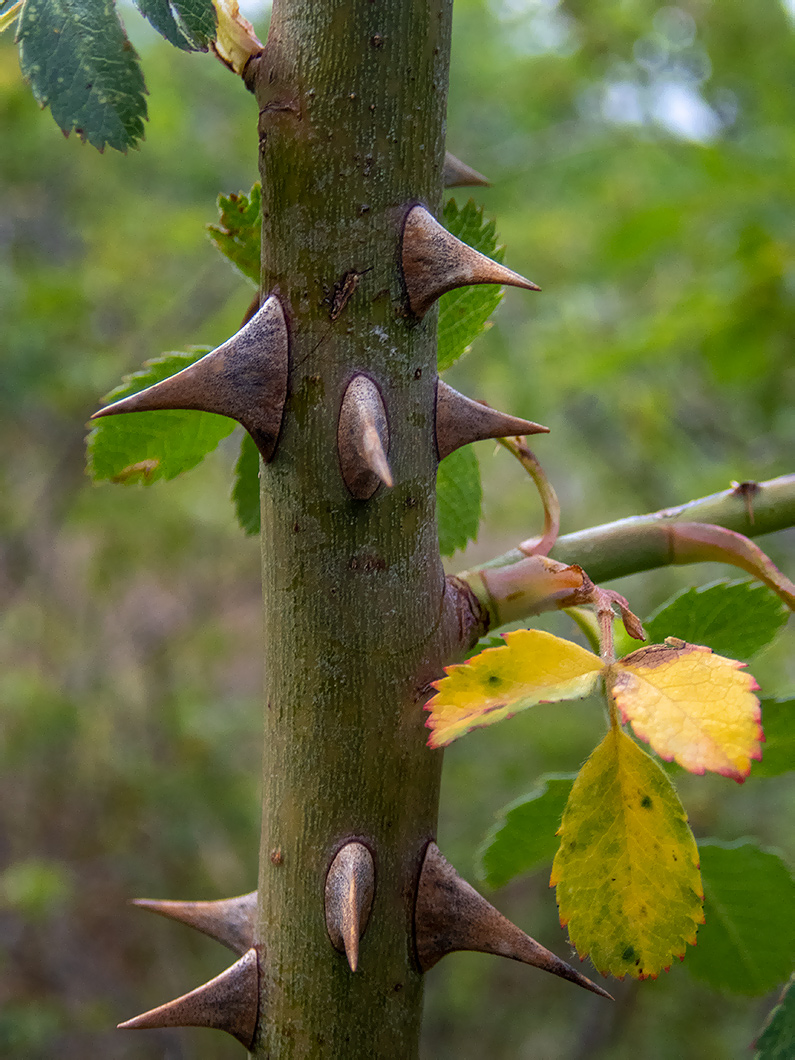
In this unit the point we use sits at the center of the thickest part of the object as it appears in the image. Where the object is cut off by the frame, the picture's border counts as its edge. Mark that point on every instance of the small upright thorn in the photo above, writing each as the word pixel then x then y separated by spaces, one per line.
pixel 459 420
pixel 229 921
pixel 245 379
pixel 458 174
pixel 363 439
pixel 435 262
pixel 229 1002
pixel 450 915
pixel 350 886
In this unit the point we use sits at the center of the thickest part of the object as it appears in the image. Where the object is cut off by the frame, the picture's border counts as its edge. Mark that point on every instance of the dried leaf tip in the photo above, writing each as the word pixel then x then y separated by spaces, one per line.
pixel 450 915
pixel 350 886
pixel 228 1003
pixel 229 921
pixel 245 379
pixel 435 262
pixel 363 439
pixel 459 420
pixel 458 174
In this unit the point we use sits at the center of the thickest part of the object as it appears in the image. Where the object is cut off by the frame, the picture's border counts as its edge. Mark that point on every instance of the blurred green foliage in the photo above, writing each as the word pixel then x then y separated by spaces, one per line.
pixel 642 159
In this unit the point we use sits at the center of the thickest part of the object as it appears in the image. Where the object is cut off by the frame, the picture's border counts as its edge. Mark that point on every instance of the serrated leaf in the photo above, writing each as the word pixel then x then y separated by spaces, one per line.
pixel 734 618
pixel 777 1040
pixel 238 234
pixel 747 943
pixel 78 60
pixel 464 312
pixel 778 753
pixel 525 837
pixel 147 446
pixel 458 497
pixel 187 24
pixel 626 873
pixel 245 488
pixel 532 667
pixel 693 707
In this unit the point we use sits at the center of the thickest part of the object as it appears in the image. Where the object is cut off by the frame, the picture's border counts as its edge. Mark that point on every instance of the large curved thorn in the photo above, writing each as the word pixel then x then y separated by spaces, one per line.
pixel 458 174
pixel 435 262
pixel 459 420
pixel 229 921
pixel 245 378
pixel 450 915
pixel 363 439
pixel 227 1003
pixel 350 886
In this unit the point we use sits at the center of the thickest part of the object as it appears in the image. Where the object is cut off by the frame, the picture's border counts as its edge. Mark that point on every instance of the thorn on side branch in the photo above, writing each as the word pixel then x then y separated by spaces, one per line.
pixel 458 174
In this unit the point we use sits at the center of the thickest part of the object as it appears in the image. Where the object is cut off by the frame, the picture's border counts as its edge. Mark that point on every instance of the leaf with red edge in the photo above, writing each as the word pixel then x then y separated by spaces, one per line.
pixel 693 707
pixel 531 667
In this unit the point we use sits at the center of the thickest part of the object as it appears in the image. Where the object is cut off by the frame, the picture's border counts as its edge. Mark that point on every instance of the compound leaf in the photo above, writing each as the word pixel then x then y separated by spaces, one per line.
pixel 238 233
pixel 693 707
pixel 187 24
pixel 734 618
pixel 531 667
pixel 464 313
pixel 147 446
pixel 747 943
pixel 458 497
pixel 626 872
pixel 245 487
pixel 78 60
pixel 525 837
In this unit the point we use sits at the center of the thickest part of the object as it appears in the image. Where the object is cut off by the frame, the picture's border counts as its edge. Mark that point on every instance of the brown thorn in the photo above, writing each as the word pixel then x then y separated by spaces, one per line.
pixel 350 886
pixel 450 915
pixel 230 1003
pixel 459 420
pixel 363 439
pixel 434 261
pixel 229 921
pixel 458 174
pixel 245 379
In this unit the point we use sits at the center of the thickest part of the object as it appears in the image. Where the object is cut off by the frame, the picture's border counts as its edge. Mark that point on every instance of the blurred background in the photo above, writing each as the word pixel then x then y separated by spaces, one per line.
pixel 643 167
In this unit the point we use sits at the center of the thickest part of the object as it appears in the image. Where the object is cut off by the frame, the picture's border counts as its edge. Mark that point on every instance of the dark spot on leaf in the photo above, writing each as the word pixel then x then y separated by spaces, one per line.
pixel 646 802
pixel 493 679
pixel 628 954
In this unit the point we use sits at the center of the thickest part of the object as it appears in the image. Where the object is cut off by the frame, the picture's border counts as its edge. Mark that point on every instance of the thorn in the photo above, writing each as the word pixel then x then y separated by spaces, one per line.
pixel 450 915
pixel 349 898
pixel 459 420
pixel 458 174
pixel 228 1003
pixel 363 439
pixel 229 921
pixel 435 262
pixel 245 378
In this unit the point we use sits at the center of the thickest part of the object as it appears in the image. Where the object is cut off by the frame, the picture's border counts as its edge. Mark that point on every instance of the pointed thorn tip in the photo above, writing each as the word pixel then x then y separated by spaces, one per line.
pixel 350 886
pixel 363 439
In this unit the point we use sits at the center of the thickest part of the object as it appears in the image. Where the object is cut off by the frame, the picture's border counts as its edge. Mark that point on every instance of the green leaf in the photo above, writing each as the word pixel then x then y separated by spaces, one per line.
pixel 734 618
pixel 238 233
pixel 464 313
pixel 525 839
pixel 187 24
pixel 147 446
pixel 627 870
pixel 9 16
pixel 778 750
pixel 458 496
pixel 78 60
pixel 747 943
pixel 245 488
pixel 777 1040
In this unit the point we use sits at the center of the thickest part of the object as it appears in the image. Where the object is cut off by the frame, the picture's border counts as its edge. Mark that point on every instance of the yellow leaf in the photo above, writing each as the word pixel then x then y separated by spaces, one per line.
pixel 626 873
pixel 691 706
pixel 531 667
